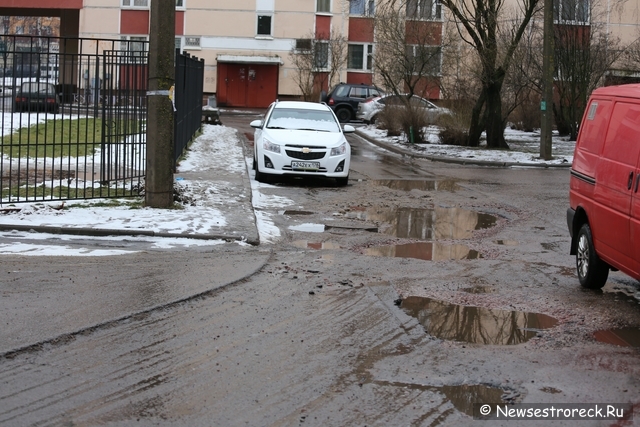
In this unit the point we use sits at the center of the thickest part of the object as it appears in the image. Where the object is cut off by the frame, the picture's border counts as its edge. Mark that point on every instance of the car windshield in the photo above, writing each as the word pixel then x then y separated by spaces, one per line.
pixel 300 119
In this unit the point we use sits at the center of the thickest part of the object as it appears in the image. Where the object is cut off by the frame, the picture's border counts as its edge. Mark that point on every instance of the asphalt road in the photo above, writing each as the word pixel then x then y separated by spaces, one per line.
pixel 405 298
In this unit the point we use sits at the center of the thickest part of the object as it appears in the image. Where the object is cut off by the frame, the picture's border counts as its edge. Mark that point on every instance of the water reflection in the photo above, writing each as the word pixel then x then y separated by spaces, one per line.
pixel 305 244
pixel 625 337
pixel 475 324
pixel 426 224
pixel 423 185
pixel 428 251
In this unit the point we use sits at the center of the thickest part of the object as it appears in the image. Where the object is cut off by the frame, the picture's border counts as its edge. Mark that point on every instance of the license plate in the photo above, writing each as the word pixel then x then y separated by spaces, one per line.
pixel 305 165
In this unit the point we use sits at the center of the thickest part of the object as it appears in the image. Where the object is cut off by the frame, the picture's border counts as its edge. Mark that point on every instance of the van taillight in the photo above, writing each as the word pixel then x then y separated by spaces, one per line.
pixel 331 102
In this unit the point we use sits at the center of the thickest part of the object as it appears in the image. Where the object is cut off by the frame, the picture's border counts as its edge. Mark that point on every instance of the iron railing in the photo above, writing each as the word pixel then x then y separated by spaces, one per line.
pixel 88 139
pixel 188 100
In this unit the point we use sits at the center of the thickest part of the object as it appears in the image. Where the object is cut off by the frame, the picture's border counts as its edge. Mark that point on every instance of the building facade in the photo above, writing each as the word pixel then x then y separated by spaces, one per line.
pixel 246 44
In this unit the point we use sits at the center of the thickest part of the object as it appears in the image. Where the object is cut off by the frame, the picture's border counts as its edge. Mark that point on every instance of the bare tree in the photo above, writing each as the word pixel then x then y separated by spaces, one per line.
pixel 317 63
pixel 482 25
pixel 408 56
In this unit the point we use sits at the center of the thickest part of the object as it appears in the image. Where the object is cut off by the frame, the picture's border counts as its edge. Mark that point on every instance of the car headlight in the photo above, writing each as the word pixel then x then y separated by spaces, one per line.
pixel 270 146
pixel 337 151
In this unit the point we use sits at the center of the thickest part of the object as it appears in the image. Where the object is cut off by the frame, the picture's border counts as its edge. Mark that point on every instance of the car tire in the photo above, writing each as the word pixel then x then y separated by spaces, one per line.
pixel 342 182
pixel 343 115
pixel 373 120
pixel 254 166
pixel 262 177
pixel 592 271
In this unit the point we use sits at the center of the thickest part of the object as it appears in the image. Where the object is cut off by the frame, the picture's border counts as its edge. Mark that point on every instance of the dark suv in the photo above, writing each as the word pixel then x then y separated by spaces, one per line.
pixel 345 97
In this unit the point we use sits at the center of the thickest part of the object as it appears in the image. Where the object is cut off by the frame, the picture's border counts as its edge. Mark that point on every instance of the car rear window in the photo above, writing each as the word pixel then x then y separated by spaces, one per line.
pixel 37 87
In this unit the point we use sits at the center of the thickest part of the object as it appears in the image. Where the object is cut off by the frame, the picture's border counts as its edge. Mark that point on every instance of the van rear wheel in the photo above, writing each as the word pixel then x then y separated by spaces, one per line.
pixel 592 271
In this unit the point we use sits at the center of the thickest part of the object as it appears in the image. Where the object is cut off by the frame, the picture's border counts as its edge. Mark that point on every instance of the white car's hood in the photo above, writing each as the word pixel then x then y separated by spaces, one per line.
pixel 305 138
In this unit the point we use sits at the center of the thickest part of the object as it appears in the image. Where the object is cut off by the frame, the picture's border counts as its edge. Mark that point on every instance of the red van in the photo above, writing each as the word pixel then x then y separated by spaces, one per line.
pixel 604 213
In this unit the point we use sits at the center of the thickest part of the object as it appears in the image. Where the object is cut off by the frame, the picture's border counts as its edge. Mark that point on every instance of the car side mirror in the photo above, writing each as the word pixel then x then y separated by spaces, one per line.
pixel 348 129
pixel 256 124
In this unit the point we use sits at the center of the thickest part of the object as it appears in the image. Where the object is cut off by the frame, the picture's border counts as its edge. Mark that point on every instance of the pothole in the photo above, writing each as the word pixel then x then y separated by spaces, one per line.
pixel 422 185
pixel 426 224
pixel 427 251
pixel 475 325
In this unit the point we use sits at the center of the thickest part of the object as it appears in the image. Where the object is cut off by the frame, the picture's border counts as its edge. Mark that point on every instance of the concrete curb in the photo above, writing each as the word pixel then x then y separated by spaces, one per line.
pixel 455 160
pixel 102 232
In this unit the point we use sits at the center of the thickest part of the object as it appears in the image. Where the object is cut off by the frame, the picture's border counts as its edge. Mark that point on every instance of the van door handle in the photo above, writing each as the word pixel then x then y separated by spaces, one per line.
pixel 637 182
pixel 630 183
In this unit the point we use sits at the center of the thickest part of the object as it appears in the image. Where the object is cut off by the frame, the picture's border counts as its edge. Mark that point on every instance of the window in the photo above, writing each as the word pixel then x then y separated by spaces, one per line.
pixel 192 42
pixel 426 58
pixel 178 44
pixel 424 9
pixel 571 11
pixel 361 7
pixel 135 47
pixel 321 55
pixel 360 57
pixel 303 45
pixel 323 6
pixel 135 3
pixel 180 4
pixel 264 25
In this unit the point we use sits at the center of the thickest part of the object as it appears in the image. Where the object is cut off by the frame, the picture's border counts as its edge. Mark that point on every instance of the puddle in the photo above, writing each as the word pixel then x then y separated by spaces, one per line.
pixel 426 224
pixel 506 242
pixel 415 184
pixel 294 212
pixel 478 290
pixel 624 337
pixel 308 227
pixel 462 397
pixel 475 324
pixel 428 251
pixel 305 244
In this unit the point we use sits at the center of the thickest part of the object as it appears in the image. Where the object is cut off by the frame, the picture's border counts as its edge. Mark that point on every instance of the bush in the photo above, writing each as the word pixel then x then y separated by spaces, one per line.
pixel 454 136
pixel 526 117
pixel 399 119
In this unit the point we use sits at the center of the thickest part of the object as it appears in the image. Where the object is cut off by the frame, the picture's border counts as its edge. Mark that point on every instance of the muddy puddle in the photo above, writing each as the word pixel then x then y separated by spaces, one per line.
pixel 425 224
pixel 464 396
pixel 306 244
pixel 475 325
pixel 624 337
pixel 415 184
pixel 427 251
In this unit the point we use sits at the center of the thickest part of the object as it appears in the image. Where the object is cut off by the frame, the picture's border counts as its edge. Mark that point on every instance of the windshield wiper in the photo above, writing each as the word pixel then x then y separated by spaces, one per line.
pixel 275 127
pixel 314 130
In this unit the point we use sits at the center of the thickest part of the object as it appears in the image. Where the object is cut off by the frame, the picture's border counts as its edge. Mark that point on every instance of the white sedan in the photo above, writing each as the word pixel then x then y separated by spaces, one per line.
pixel 369 109
pixel 301 139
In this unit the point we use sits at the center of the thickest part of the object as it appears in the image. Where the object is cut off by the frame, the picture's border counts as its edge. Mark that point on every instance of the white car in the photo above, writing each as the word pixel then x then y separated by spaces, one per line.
pixel 369 109
pixel 301 139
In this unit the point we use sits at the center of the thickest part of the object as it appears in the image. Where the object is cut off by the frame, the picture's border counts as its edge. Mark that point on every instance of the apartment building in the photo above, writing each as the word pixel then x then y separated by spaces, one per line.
pixel 246 44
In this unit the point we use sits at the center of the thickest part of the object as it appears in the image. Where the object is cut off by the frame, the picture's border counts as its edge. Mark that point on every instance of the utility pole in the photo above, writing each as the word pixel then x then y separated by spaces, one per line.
pixel 546 105
pixel 160 164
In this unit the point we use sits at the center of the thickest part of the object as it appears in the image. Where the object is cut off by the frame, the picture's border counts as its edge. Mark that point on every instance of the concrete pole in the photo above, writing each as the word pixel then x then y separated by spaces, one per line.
pixel 547 76
pixel 159 177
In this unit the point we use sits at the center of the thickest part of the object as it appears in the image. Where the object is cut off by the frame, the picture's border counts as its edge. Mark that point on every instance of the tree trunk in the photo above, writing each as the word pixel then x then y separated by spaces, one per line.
pixel 477 125
pixel 493 118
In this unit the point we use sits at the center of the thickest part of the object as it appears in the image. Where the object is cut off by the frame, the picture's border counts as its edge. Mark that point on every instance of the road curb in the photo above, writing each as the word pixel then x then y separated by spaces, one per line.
pixel 103 232
pixel 455 160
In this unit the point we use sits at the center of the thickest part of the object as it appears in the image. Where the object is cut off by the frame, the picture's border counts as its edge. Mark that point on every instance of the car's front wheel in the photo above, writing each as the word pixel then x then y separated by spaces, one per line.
pixel 262 177
pixel 592 271
pixel 342 182
pixel 343 115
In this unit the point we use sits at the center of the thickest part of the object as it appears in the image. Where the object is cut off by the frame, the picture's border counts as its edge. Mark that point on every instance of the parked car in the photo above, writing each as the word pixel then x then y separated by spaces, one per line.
pixel 604 212
pixel 37 96
pixel 369 109
pixel 345 97
pixel 301 139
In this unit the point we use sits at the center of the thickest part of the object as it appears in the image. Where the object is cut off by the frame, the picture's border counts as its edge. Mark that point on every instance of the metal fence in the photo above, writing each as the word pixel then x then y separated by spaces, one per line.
pixel 188 100
pixel 73 118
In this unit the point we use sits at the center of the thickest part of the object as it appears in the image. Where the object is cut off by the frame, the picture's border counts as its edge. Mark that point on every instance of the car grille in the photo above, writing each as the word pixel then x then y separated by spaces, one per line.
pixel 305 156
